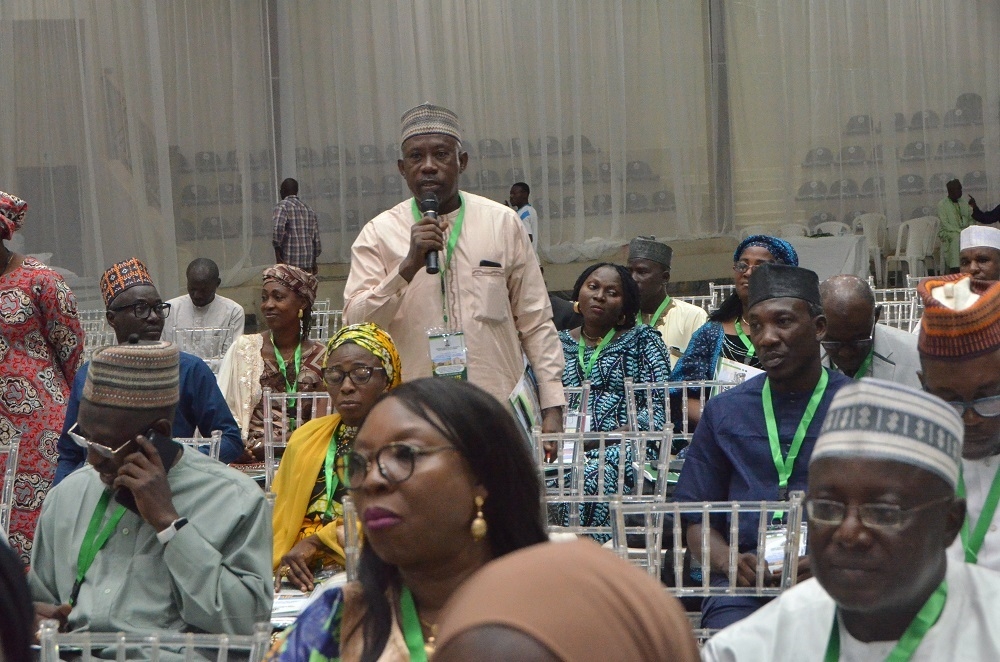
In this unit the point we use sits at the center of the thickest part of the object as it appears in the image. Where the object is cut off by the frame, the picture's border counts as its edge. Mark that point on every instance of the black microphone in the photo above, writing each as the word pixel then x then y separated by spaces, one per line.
pixel 429 208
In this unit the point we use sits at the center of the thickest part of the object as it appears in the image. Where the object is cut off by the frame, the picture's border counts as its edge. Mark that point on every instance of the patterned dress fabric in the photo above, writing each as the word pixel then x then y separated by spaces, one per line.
pixel 41 348
pixel 309 380
pixel 639 354
pixel 707 344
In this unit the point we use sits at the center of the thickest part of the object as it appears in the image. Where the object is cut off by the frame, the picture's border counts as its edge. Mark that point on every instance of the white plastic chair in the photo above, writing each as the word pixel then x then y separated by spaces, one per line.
pixel 208 344
pixel 639 476
pixel 793 230
pixel 875 228
pixel 912 243
pixel 176 645
pixel 10 452
pixel 304 406
pixel 214 443
pixel 836 228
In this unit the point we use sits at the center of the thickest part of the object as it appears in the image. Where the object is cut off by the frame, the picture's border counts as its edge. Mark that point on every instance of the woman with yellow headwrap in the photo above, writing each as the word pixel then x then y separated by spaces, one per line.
pixel 361 363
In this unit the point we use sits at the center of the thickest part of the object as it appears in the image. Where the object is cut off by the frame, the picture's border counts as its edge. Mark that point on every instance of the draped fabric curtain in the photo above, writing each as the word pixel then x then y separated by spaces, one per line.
pixel 161 128
pixel 854 106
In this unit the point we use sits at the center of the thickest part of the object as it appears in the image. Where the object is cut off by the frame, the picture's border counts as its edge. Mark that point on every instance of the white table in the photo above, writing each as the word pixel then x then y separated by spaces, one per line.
pixel 830 256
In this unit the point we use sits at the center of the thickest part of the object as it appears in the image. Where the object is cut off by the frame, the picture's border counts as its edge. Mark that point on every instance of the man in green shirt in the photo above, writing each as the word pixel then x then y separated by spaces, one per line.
pixel 151 536
pixel 955 215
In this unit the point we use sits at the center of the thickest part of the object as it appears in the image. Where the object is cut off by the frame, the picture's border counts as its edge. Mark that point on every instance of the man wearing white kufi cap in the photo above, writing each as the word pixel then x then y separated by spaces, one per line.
pixel 882 511
pixel 980 252
pixel 489 286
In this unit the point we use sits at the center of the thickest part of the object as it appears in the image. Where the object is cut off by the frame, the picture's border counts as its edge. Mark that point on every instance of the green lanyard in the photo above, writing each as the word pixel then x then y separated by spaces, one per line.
pixel 332 480
pixel 973 544
pixel 283 367
pixel 746 340
pixel 412 632
pixel 915 632
pixel 656 315
pixel 456 230
pixel 94 540
pixel 588 367
pixel 865 365
pixel 785 466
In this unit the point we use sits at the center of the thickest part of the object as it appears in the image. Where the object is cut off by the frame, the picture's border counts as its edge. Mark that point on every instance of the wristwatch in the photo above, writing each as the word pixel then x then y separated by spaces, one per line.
pixel 167 534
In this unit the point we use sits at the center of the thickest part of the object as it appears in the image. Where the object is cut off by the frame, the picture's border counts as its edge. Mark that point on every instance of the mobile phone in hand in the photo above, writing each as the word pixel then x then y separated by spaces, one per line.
pixel 167 449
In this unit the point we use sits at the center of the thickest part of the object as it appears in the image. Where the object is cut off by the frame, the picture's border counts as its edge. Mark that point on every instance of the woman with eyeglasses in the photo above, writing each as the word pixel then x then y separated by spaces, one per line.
pixel 725 334
pixel 41 348
pixel 281 358
pixel 443 483
pixel 361 364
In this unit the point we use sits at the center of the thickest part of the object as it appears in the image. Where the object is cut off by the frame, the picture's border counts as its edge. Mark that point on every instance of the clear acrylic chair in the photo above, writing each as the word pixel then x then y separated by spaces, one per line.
pixel 352 539
pixel 207 343
pixel 584 472
pixel 94 341
pixel 202 444
pixel 902 315
pixel 644 397
pixel 325 323
pixel 87 646
pixel 287 412
pixel 719 293
pixel 10 455
pixel 701 300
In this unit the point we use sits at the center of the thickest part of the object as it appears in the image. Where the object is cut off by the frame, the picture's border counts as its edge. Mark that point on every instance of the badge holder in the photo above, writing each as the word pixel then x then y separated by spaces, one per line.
pixel 448 353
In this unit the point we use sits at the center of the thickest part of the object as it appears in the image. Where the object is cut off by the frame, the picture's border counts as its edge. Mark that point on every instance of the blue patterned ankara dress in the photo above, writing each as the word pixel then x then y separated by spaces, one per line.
pixel 639 354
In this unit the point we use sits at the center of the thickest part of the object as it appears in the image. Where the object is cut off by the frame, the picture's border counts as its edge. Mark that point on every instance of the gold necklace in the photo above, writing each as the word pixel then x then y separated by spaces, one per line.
pixel 589 337
pixel 430 643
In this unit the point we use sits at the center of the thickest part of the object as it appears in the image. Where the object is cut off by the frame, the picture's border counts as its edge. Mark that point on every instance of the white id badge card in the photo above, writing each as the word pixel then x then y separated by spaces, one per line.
pixel 448 356
pixel 728 370
pixel 774 547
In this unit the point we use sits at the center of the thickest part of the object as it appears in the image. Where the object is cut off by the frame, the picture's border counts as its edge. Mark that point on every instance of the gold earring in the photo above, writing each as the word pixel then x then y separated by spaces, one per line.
pixel 576 307
pixel 479 527
pixel 300 313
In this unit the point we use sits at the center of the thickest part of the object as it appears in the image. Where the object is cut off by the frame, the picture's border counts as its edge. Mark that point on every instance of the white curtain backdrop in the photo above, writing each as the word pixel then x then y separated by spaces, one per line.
pixel 800 70
pixel 161 128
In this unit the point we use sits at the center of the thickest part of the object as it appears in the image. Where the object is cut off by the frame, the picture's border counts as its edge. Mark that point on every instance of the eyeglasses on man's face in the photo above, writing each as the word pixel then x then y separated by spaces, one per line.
pixel 141 309
pixel 395 463
pixel 102 450
pixel 359 375
pixel 880 516
pixel 862 345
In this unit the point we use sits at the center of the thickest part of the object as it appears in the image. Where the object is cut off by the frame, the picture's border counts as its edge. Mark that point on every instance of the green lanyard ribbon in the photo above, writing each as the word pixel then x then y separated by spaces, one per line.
pixel 751 350
pixel 412 632
pixel 784 466
pixel 656 315
pixel 865 365
pixel 588 367
pixel 94 540
pixel 973 544
pixel 456 230
pixel 283 368
pixel 914 634
pixel 332 480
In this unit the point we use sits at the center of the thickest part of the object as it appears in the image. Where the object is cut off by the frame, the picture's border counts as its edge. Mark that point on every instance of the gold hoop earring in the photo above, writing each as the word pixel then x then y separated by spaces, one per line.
pixel 300 313
pixel 479 528
pixel 576 307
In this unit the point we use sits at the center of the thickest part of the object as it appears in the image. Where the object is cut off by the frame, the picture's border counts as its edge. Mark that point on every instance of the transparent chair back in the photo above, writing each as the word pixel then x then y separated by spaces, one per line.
pixel 719 293
pixel 325 323
pixel 701 300
pixel 9 453
pixel 87 646
pixel 577 415
pixel 676 398
pixel 904 315
pixel 564 459
pixel 208 344
pixel 210 445
pixel 94 341
pixel 352 539
pixel 283 414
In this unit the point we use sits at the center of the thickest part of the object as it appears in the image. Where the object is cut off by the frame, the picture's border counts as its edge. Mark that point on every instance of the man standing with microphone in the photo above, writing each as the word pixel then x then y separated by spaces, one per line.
pixel 453 278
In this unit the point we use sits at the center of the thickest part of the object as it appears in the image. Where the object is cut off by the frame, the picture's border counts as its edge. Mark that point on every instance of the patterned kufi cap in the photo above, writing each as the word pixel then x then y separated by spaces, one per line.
pixel 301 282
pixel 979 235
pixel 428 118
pixel 375 340
pixel 121 276
pixel 12 210
pixel 782 251
pixel 647 248
pixel 961 317
pixel 775 281
pixel 134 376
pixel 883 420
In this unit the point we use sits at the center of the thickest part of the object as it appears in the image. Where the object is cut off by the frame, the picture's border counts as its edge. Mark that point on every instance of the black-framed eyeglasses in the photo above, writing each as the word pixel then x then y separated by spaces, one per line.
pixel 361 374
pixel 395 463
pixel 742 267
pixel 141 309
pixel 883 516
pixel 862 345
pixel 988 407
pixel 102 450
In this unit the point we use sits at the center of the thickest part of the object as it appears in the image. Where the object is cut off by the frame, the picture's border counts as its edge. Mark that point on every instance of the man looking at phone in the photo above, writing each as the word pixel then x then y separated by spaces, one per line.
pixel 154 536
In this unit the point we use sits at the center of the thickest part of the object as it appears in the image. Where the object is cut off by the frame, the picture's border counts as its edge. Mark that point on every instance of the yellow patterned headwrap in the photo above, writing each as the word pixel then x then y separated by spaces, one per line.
pixel 375 340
